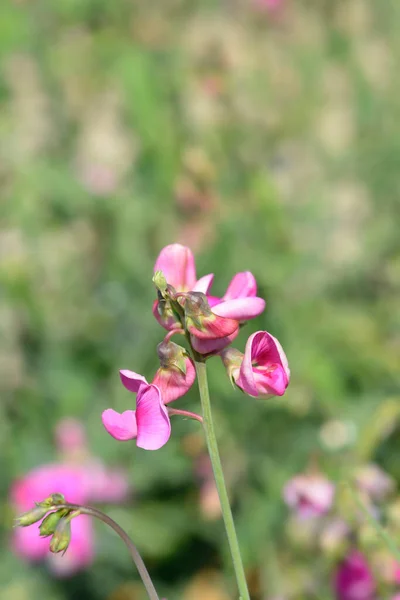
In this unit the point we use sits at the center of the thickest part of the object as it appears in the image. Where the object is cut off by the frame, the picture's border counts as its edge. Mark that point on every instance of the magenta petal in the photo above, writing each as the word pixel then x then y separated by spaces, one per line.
pixel 178 266
pixel 240 309
pixel 154 427
pixel 265 349
pixel 242 285
pixel 131 380
pixel 204 284
pixel 209 346
pixel 121 426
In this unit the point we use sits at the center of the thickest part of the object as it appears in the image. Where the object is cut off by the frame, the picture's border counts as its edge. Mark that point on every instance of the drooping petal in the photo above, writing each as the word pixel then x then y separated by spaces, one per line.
pixel 242 285
pixel 153 424
pixel 172 383
pixel 204 284
pixel 131 380
pixel 240 309
pixel 121 426
pixel 211 346
pixel 178 266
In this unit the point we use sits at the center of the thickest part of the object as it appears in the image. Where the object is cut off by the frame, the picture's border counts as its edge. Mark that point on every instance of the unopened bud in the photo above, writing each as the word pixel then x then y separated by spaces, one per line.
pixel 49 523
pixel 53 500
pixel 232 359
pixel 62 535
pixel 31 516
pixel 160 282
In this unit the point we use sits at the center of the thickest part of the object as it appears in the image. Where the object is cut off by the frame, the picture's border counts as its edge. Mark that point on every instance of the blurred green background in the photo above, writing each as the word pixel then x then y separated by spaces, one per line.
pixel 267 139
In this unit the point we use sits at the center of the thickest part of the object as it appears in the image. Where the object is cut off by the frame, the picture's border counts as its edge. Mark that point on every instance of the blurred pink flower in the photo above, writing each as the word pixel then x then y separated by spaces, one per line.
pixel 374 482
pixel 353 579
pixel 309 495
pixel 263 370
pixel 80 481
pixel 270 5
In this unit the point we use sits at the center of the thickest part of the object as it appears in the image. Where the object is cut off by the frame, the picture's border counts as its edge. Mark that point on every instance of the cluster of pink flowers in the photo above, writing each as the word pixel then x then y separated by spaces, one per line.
pixel 186 306
pixel 311 496
pixel 79 476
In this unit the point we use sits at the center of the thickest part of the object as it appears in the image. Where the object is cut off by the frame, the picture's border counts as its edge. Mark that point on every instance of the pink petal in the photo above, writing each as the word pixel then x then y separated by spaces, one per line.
pixel 213 300
pixel 213 327
pixel 121 426
pixel 132 381
pixel 204 284
pixel 243 285
pixel 154 427
pixel 209 346
pixel 167 320
pixel 172 383
pixel 178 266
pixel 262 348
pixel 240 309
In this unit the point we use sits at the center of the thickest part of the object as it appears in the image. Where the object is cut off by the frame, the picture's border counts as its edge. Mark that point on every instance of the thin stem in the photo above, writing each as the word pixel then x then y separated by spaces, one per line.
pixel 185 413
pixel 219 478
pixel 137 559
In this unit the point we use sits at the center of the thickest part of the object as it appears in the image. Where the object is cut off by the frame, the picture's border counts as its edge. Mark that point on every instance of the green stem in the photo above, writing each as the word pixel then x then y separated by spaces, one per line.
pixel 137 559
pixel 219 478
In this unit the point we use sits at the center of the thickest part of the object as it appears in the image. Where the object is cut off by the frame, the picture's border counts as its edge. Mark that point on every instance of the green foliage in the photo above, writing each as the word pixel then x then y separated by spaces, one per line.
pixel 267 142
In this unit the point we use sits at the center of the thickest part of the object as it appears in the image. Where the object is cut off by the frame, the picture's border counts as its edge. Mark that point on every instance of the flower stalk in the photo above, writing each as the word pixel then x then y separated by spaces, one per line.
pixel 219 478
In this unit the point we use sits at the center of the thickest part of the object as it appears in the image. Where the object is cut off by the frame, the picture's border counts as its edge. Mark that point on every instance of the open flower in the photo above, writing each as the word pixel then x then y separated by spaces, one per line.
pixel 353 579
pixel 84 480
pixel 220 317
pixel 309 495
pixel 263 370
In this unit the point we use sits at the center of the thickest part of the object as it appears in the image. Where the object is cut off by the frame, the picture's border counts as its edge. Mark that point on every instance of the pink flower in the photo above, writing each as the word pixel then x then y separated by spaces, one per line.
pixel 353 579
pixel 81 481
pixel 374 482
pixel 263 370
pixel 309 495
pixel 220 325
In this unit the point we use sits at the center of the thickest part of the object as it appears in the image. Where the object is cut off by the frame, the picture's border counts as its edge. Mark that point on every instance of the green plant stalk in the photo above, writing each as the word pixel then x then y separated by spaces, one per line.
pixel 137 559
pixel 219 478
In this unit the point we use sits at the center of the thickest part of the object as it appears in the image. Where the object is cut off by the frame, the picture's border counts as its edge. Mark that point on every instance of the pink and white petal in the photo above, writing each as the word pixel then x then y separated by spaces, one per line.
pixel 153 424
pixel 211 346
pixel 271 383
pixel 121 426
pixel 242 285
pixel 241 309
pixel 172 383
pixel 178 266
pixel 213 301
pixel 131 380
pixel 265 349
pixel 81 550
pixel 204 284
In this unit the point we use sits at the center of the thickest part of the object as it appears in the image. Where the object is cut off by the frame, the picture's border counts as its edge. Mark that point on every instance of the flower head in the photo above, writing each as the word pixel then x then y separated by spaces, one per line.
pixel 263 370
pixel 309 495
pixel 353 579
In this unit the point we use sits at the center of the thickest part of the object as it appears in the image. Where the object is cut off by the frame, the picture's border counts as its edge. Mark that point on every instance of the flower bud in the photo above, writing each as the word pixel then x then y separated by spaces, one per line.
pixel 176 373
pixel 160 282
pixel 53 500
pixel 201 322
pixel 49 523
pixel 172 355
pixel 232 359
pixel 62 534
pixel 31 516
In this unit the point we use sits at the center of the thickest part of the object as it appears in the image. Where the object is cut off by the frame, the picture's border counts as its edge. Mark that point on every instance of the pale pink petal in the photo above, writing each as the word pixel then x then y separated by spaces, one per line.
pixel 241 309
pixel 204 284
pixel 81 551
pixel 153 425
pixel 213 300
pixel 105 484
pixel 132 381
pixel 209 346
pixel 242 285
pixel 70 436
pixel 121 426
pixel 27 544
pixel 172 383
pixel 178 266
